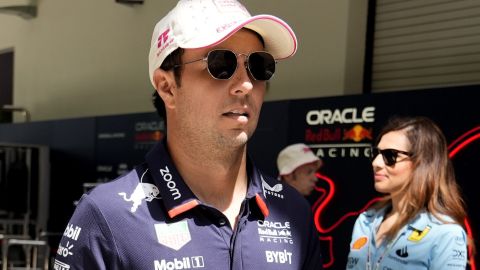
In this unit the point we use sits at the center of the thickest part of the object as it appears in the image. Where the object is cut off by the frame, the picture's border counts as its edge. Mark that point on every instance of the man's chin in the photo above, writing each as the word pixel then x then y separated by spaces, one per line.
pixel 236 140
pixel 240 140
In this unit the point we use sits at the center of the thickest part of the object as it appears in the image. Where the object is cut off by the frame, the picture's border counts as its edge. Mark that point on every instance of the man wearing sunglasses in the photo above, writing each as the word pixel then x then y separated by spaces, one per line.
pixel 198 201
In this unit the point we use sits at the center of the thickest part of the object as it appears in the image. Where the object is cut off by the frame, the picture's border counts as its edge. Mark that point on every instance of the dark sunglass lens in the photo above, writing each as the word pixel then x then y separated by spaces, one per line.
pixel 261 65
pixel 222 64
pixel 389 156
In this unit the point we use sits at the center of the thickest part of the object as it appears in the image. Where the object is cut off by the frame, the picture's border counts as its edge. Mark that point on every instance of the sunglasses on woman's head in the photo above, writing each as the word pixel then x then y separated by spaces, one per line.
pixel 389 155
pixel 222 64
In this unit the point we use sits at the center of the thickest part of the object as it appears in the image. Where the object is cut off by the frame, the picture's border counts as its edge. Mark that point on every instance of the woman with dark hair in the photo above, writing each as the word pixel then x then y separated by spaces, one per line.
pixel 418 224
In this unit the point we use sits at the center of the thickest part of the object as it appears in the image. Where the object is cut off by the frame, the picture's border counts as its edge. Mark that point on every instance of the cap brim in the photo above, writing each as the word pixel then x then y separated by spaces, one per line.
pixel 293 167
pixel 279 38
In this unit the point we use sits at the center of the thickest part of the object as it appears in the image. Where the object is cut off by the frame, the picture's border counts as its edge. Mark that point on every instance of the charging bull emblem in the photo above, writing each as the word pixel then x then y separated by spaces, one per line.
pixel 143 191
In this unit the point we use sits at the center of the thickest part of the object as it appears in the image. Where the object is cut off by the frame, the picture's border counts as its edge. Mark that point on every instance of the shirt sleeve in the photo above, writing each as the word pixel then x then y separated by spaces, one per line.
pixel 87 242
pixel 450 251
pixel 357 257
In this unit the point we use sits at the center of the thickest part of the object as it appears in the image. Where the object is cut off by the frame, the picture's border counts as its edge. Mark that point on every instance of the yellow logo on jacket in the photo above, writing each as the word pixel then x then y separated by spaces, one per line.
pixel 416 235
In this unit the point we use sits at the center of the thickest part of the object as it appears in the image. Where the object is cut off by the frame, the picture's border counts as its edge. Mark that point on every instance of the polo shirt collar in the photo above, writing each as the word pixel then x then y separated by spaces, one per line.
pixel 177 196
pixel 419 222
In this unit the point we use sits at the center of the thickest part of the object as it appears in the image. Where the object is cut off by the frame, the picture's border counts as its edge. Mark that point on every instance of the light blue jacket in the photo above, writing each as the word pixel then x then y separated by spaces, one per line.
pixel 424 243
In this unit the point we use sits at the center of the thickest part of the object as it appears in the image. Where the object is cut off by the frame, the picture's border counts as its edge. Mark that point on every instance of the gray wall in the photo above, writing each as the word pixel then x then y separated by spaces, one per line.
pixel 89 57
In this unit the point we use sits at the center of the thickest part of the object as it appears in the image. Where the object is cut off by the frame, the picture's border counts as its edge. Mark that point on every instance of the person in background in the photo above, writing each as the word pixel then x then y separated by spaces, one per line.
pixel 297 166
pixel 418 224
pixel 198 201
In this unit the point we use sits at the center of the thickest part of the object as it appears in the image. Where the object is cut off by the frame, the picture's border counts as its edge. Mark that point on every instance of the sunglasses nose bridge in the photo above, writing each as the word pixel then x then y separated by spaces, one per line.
pixel 243 60
pixel 223 64
pixel 375 154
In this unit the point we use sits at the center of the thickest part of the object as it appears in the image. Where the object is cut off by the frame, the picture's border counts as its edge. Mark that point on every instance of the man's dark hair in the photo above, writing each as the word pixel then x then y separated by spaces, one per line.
pixel 172 60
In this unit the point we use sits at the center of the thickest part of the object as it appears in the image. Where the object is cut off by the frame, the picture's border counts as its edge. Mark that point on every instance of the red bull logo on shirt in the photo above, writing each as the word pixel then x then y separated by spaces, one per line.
pixel 143 191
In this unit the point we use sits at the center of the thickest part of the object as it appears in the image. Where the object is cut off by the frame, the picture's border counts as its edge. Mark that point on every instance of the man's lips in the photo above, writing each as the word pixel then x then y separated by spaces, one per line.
pixel 236 114
pixel 240 116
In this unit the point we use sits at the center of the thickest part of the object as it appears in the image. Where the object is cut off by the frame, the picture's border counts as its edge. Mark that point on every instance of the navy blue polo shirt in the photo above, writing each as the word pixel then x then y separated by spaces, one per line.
pixel 150 219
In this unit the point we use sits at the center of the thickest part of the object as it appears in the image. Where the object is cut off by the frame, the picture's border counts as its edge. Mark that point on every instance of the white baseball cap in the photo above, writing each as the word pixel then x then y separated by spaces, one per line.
pixel 203 23
pixel 294 156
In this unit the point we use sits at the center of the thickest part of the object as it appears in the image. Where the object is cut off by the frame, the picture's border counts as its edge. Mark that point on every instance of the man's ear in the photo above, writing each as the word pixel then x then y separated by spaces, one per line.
pixel 165 86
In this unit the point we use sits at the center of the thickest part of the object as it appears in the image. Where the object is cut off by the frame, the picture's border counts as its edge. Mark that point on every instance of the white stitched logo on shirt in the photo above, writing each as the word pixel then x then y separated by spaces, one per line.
pixel 60 265
pixel 183 263
pixel 274 191
pixel 65 251
pixel 274 232
pixel 71 232
pixel 281 257
pixel 143 191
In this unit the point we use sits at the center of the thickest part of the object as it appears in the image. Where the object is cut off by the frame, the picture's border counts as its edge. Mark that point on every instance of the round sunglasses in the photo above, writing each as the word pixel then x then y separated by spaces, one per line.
pixel 389 155
pixel 222 64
